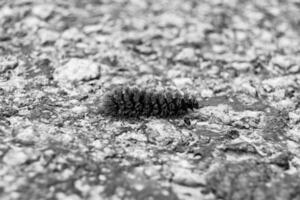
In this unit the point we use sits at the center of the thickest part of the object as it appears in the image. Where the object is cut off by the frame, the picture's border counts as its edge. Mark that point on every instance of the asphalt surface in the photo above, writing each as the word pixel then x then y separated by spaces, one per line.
pixel 240 59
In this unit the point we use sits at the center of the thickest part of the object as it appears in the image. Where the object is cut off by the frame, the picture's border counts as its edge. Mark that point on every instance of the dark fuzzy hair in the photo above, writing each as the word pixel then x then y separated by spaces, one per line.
pixel 126 102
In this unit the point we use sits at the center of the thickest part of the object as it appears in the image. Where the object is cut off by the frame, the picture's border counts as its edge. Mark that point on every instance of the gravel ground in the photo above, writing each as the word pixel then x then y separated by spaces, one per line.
pixel 241 59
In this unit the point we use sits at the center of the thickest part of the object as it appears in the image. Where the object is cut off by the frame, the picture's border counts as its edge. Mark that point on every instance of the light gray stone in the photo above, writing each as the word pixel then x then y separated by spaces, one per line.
pixel 187 55
pixel 8 62
pixel 43 11
pixel 27 135
pixel 15 157
pixel 77 70
pixel 46 35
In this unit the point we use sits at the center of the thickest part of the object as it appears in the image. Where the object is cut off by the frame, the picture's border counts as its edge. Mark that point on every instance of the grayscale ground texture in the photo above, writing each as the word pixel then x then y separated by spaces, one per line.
pixel 240 58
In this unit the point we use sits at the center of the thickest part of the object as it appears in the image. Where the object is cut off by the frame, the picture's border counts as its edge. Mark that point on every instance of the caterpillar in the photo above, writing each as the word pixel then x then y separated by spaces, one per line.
pixel 127 102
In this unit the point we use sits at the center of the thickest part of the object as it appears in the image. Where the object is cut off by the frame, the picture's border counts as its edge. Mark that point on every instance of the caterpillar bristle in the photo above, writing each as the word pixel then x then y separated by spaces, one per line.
pixel 126 102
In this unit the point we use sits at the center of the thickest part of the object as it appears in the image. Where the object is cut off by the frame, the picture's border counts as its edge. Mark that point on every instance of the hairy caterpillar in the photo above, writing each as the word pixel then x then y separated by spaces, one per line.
pixel 133 103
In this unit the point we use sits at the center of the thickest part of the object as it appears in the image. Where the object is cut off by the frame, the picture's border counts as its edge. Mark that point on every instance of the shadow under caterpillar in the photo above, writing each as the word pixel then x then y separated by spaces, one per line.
pixel 126 102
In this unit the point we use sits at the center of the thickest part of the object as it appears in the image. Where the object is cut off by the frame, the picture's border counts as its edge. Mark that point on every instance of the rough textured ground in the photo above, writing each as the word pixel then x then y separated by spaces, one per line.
pixel 240 58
